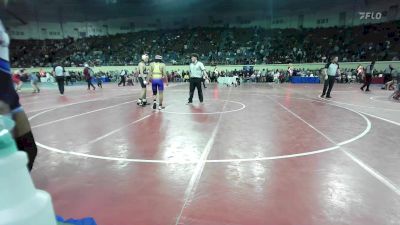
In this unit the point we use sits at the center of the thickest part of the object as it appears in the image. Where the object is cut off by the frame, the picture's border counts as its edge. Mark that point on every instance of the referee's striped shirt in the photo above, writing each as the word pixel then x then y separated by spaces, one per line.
pixel 197 69
pixel 332 68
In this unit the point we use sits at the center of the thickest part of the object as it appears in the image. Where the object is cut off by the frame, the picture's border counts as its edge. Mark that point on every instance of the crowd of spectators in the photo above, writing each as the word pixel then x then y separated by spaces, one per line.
pixel 246 75
pixel 216 46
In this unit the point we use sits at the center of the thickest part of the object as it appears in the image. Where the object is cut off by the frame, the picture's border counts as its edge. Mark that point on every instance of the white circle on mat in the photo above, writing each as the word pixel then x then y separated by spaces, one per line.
pixel 295 155
pixel 242 106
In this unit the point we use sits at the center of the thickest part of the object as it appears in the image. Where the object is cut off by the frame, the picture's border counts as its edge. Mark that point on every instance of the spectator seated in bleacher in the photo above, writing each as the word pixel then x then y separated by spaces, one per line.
pixel 216 46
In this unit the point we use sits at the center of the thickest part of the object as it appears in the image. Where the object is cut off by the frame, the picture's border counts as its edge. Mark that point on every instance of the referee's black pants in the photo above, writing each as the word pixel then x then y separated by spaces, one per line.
pixel 367 81
pixel 328 85
pixel 123 81
pixel 195 83
pixel 60 83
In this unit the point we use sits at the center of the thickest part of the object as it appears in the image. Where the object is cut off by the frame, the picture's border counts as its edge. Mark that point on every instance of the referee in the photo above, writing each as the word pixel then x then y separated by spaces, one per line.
pixel 9 102
pixel 331 70
pixel 59 75
pixel 143 78
pixel 122 77
pixel 197 72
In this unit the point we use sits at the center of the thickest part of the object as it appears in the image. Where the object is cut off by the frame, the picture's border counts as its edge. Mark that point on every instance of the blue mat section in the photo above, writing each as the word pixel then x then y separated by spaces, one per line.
pixel 84 221
pixel 302 80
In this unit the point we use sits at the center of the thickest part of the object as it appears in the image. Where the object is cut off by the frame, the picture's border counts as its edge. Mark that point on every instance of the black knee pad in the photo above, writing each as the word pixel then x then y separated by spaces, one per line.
pixel 27 144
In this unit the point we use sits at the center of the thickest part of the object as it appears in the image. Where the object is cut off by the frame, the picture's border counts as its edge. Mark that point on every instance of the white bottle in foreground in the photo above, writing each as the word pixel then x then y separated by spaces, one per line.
pixel 20 202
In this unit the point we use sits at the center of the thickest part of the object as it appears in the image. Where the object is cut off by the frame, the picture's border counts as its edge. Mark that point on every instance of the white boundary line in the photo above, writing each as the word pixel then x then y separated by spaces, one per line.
pixel 116 130
pixel 44 110
pixel 369 125
pixel 127 93
pixel 201 163
pixel 39 110
pixel 379 96
pixel 195 179
pixel 368 128
pixel 385 181
pixel 337 146
pixel 368 114
pixel 381 118
pixel 364 106
pixel 75 103
pixel 52 100
pixel 34 102
pixel 55 107
pixel 110 158
pixel 81 114
pixel 301 119
pixel 389 99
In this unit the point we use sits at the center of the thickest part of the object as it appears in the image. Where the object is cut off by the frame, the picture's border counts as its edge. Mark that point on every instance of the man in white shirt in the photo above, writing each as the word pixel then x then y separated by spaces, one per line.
pixel 331 70
pixel 59 75
pixel 122 77
pixel 263 76
pixel 197 72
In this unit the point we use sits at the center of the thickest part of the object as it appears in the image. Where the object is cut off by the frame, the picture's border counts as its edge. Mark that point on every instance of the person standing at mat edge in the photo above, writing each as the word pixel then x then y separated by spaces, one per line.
pixel 88 73
pixel 122 77
pixel 197 72
pixel 157 74
pixel 59 75
pixel 143 79
pixel 369 71
pixel 331 70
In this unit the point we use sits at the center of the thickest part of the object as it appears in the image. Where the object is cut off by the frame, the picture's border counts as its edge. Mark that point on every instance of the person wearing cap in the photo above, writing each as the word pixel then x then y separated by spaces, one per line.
pixel 10 105
pixel 157 74
pixel 88 73
pixel 197 72
pixel 143 79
